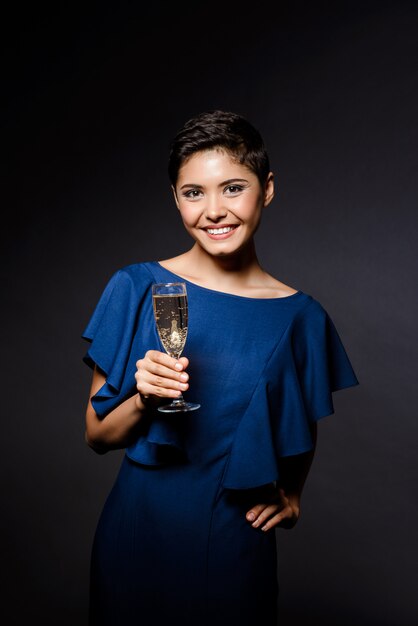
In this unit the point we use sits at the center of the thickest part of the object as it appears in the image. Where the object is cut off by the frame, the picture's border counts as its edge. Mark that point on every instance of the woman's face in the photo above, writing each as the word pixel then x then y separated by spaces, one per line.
pixel 220 201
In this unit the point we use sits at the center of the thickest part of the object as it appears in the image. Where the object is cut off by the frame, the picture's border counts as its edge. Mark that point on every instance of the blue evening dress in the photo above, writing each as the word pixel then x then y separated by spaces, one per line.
pixel 172 543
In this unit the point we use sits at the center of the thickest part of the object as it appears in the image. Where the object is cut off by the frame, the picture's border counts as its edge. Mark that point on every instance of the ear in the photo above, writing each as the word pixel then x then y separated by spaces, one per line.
pixel 176 200
pixel 269 189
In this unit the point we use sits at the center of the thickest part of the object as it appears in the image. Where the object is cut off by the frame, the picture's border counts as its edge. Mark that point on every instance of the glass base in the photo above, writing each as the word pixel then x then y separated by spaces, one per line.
pixel 178 406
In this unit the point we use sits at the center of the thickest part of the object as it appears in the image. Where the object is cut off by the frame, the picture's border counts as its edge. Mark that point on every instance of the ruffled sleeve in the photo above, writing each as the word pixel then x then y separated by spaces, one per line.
pixel 321 361
pixel 111 331
pixel 295 389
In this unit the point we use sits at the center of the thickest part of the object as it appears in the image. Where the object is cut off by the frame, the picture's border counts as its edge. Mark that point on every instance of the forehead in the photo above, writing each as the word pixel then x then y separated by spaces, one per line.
pixel 213 164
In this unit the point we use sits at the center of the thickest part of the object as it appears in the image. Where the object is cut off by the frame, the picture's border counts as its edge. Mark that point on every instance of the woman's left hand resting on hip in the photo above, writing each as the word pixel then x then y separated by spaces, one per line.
pixel 281 511
pixel 282 508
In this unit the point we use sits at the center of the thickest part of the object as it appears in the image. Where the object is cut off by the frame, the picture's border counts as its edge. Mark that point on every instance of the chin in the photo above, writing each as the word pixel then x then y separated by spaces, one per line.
pixel 221 249
pixel 223 254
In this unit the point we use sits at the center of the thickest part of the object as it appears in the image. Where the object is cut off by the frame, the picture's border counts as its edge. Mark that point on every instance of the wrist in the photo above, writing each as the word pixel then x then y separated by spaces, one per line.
pixel 293 498
pixel 140 402
pixel 294 501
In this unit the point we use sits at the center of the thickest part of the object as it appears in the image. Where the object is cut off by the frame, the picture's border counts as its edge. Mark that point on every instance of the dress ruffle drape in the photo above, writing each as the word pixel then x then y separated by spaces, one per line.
pixel 295 387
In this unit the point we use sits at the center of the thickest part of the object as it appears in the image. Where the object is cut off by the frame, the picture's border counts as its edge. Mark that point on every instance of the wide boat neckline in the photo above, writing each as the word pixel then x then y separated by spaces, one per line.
pixel 225 293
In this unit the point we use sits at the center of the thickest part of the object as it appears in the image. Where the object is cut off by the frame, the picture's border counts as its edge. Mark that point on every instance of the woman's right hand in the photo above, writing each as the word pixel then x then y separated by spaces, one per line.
pixel 159 376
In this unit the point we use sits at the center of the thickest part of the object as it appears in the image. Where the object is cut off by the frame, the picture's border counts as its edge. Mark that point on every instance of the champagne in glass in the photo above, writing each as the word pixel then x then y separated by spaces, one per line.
pixel 171 318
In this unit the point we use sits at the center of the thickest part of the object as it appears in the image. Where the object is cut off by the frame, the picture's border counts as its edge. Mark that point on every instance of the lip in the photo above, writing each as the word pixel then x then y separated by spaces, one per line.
pixel 222 235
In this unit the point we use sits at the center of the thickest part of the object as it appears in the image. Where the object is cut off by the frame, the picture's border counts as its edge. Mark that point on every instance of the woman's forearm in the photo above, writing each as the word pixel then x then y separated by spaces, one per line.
pixel 118 428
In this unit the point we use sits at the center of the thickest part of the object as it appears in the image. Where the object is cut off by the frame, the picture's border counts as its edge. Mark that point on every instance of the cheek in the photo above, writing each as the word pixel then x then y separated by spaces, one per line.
pixel 249 209
pixel 187 215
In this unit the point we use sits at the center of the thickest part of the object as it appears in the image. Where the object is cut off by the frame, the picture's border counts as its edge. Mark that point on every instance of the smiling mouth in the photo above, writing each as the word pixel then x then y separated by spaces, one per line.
pixel 220 231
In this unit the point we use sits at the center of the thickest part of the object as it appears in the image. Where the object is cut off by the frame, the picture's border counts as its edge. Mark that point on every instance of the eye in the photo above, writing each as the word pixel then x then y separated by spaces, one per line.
pixel 192 194
pixel 232 190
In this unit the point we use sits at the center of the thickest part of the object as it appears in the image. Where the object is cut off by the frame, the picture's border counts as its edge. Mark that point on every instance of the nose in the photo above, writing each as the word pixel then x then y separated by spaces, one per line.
pixel 215 208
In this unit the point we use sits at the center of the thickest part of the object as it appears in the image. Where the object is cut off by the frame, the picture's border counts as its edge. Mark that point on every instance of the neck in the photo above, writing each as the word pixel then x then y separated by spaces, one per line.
pixel 243 263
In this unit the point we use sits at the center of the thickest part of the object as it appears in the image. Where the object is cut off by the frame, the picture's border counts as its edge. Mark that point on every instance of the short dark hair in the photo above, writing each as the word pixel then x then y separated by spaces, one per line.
pixel 224 130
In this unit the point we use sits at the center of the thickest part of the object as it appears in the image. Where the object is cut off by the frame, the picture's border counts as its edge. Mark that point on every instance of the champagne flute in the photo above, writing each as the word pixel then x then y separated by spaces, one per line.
pixel 171 318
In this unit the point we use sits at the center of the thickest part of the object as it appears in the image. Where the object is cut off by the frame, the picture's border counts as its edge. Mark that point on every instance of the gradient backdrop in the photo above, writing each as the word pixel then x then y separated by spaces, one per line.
pixel 92 97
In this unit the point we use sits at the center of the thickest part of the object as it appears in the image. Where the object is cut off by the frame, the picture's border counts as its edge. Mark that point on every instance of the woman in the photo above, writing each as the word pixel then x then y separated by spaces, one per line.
pixel 188 531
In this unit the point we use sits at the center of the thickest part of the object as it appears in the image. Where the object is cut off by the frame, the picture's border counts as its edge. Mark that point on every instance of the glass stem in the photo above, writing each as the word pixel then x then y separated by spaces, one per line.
pixel 180 399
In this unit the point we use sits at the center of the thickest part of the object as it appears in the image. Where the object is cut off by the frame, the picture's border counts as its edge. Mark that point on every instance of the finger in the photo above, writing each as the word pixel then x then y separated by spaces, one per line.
pixel 183 362
pixel 163 372
pixel 159 392
pixel 160 365
pixel 255 511
pixel 163 358
pixel 267 512
pixel 286 517
pixel 156 375
pixel 148 383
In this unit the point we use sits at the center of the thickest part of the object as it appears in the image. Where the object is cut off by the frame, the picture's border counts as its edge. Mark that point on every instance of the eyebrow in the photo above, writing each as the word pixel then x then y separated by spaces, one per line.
pixel 229 181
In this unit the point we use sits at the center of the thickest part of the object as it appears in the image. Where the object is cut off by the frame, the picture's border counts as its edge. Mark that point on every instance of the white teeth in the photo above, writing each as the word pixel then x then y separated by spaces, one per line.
pixel 219 231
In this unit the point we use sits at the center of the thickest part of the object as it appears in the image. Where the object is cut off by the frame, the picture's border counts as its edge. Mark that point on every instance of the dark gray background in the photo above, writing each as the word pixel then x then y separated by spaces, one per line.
pixel 92 98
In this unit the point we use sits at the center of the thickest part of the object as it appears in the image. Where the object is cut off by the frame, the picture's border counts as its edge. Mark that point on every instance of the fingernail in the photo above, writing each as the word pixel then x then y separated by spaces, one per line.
pixel 178 366
pixel 184 376
pixel 251 516
pixel 264 528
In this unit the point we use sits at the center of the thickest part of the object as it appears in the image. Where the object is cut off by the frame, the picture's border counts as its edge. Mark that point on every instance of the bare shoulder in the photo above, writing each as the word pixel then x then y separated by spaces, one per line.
pixel 179 265
pixel 277 287
pixel 275 283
